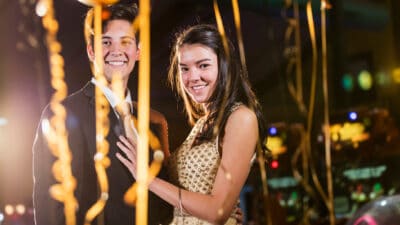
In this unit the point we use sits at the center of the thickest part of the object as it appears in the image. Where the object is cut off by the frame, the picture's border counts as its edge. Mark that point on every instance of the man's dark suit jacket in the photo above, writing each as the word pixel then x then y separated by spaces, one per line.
pixel 80 124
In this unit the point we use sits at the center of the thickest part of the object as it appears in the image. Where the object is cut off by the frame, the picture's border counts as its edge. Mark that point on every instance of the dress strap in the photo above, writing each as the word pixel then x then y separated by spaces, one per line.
pixel 195 130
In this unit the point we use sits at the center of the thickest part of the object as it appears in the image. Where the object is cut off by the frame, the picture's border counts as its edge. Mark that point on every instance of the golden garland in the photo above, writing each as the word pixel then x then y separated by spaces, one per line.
pixel 102 123
pixel 260 154
pixel 56 135
pixel 329 181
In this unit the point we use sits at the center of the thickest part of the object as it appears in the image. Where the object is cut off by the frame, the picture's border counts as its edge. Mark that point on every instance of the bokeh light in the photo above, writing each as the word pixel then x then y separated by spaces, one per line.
pixel 396 75
pixel 20 209
pixel 347 82
pixel 352 116
pixel 365 80
pixel 3 121
pixel 272 131
pixel 9 209
pixel 274 164
pixel 382 78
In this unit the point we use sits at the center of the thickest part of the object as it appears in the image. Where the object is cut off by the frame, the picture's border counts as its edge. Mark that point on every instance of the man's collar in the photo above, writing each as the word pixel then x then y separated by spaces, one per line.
pixel 110 95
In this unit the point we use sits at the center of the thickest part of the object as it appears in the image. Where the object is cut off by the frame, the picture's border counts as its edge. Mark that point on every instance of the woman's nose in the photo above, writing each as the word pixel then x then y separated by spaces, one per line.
pixel 194 74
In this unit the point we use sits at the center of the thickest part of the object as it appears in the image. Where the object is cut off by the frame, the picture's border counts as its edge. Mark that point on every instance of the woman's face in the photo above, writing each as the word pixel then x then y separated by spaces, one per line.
pixel 198 68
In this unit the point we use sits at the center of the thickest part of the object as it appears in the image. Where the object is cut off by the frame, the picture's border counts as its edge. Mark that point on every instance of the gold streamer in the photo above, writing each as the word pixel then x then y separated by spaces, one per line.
pixel 220 26
pixel 228 87
pixel 221 31
pixel 307 149
pixel 236 15
pixel 325 5
pixel 312 101
pixel 57 135
pixel 306 146
pixel 130 196
pixel 260 155
pixel 102 124
pixel 143 112
pixel 294 54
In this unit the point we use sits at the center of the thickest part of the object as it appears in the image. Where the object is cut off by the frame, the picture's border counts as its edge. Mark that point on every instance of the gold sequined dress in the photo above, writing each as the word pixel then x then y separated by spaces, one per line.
pixel 194 169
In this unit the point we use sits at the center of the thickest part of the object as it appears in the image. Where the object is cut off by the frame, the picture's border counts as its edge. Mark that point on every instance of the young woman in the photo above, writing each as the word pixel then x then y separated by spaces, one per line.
pixel 211 166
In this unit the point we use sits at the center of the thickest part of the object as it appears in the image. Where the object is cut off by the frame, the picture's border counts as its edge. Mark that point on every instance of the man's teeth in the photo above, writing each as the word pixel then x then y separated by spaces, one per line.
pixel 116 63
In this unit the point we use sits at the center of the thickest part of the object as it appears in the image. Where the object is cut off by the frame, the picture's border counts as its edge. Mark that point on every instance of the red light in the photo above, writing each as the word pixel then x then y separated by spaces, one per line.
pixel 274 164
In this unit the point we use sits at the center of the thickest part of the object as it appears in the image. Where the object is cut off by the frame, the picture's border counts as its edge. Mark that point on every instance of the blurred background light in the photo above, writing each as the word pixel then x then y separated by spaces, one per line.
pixel 41 8
pixel 365 80
pixel 382 78
pixel 20 208
pixel 353 116
pixel 347 82
pixel 3 121
pixel 272 131
pixel 274 164
pixel 9 209
pixel 396 75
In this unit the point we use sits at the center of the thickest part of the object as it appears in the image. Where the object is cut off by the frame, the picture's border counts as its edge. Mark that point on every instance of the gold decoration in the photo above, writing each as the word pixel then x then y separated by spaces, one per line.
pixel 143 112
pixel 55 131
pixel 98 2
pixel 101 161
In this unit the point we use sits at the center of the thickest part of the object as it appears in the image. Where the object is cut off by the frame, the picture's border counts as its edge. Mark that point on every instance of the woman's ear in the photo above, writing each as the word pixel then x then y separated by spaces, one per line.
pixel 90 52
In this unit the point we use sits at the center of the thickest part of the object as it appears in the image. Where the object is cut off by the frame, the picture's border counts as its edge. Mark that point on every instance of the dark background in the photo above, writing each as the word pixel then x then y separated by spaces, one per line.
pixel 362 34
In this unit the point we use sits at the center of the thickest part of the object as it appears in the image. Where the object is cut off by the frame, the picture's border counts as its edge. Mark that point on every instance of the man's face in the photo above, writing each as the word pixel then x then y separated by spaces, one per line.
pixel 120 50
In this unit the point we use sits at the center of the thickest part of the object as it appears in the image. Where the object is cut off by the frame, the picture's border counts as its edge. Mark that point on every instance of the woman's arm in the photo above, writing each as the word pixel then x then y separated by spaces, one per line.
pixel 239 142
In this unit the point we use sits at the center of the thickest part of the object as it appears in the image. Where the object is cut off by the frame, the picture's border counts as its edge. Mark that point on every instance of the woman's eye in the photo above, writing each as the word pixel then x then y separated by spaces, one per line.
pixel 183 69
pixel 203 66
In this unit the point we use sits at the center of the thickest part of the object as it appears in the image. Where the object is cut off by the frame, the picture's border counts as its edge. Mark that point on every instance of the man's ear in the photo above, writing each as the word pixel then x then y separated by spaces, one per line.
pixel 90 52
pixel 138 52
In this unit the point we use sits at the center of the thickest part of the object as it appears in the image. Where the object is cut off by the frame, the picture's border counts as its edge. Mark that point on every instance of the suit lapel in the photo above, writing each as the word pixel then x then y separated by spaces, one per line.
pixel 89 91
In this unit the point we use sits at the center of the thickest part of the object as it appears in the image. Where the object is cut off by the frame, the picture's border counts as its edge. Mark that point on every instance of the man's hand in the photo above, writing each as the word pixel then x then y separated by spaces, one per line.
pixel 129 149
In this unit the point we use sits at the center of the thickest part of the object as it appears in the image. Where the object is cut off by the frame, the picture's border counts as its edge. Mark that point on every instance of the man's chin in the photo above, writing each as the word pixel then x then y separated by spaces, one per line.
pixel 112 73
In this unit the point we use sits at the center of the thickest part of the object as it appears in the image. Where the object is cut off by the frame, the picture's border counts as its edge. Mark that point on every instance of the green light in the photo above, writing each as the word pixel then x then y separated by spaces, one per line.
pixel 382 78
pixel 365 80
pixel 377 187
pixel 347 82
pixel 294 195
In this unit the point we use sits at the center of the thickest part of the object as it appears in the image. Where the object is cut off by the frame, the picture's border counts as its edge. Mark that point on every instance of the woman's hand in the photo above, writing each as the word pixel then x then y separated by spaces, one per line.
pixel 129 149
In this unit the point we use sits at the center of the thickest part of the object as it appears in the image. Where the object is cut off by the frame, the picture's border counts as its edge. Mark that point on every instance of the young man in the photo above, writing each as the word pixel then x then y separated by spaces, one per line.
pixel 120 53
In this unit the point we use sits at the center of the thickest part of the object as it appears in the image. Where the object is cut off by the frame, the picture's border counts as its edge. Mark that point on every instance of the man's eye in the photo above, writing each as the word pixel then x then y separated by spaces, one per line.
pixel 106 42
pixel 126 42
